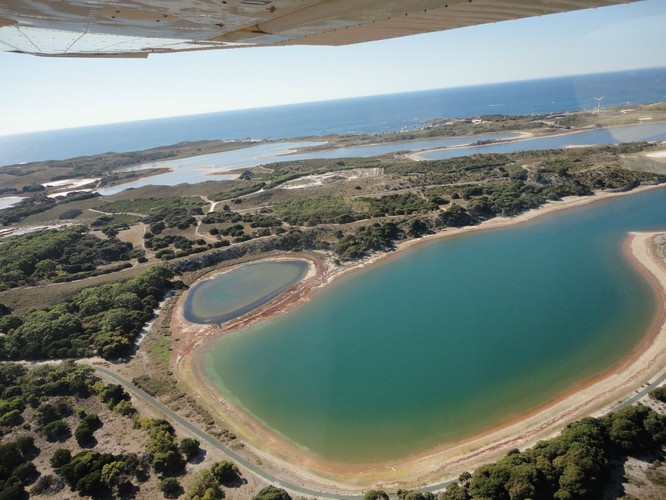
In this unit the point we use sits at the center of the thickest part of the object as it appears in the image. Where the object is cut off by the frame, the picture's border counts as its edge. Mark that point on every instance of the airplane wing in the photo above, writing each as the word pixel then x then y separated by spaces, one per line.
pixel 98 28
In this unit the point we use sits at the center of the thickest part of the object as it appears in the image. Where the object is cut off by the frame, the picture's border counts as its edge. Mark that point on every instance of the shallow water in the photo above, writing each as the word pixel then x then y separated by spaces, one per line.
pixel 449 338
pixel 209 167
pixel 630 133
pixel 9 201
pixel 240 290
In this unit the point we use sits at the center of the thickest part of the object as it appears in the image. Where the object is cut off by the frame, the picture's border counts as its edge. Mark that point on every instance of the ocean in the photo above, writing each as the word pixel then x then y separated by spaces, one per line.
pixel 374 114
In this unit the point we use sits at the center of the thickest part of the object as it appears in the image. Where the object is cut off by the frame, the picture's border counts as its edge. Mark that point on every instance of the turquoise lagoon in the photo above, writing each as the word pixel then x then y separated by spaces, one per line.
pixel 449 338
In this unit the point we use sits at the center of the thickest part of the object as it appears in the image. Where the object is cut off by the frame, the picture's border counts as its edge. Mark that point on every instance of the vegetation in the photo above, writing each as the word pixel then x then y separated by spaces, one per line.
pixel 237 192
pixel 57 253
pixel 573 465
pixel 204 486
pixel 38 203
pixel 399 204
pixel 160 213
pixel 315 210
pixel 349 220
pixel 272 493
pixel 16 471
pixel 659 393
pixel 225 472
pixel 102 320
pixel 190 448
pixel 367 239
pixel 171 487
pixel 376 495
pixel 45 396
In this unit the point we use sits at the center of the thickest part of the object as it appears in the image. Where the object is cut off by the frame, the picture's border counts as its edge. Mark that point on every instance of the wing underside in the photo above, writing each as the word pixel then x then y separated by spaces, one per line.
pixel 96 28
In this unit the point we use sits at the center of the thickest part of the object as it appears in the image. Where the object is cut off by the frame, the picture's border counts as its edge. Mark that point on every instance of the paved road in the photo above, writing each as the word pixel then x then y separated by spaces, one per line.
pixel 205 437
pixel 641 393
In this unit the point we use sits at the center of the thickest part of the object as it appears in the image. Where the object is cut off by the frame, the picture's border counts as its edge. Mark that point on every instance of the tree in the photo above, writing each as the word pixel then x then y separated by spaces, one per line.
pixel 13 490
pixel 455 492
pixel 189 447
pixel 26 473
pixel 11 418
pixel 26 443
pixel 56 431
pixel 83 434
pixel 272 493
pixel 46 268
pixel 204 486
pixel 114 476
pixel 376 495
pixel 60 457
pixel 455 216
pixel 171 487
pixel 417 227
pixel 168 463
pixel 659 393
pixel 112 394
pixel 225 471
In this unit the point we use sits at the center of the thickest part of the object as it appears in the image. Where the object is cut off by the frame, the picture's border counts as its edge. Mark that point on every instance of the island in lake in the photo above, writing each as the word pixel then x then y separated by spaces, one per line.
pixel 364 312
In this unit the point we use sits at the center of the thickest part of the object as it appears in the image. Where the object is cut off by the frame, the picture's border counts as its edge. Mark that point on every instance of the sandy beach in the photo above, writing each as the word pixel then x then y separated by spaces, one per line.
pixel 593 396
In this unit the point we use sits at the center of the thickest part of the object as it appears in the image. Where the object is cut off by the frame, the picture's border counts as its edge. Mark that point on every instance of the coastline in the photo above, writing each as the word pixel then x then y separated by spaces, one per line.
pixel 591 396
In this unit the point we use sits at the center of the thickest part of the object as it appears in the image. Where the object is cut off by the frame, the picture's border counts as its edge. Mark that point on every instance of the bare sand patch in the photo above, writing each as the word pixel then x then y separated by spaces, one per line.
pixel 657 154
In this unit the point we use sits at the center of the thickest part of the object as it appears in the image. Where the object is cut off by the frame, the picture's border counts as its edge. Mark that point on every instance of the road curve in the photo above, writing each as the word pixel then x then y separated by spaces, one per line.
pixel 641 393
pixel 204 436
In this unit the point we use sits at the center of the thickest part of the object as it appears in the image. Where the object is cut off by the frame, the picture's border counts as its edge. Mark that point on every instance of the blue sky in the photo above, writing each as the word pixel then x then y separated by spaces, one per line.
pixel 47 93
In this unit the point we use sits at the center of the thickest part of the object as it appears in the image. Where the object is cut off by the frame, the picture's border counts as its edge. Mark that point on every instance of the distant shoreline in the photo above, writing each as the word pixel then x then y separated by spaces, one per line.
pixel 589 396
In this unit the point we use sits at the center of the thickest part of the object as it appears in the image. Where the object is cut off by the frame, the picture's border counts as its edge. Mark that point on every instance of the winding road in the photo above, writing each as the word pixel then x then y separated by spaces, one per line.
pixel 204 436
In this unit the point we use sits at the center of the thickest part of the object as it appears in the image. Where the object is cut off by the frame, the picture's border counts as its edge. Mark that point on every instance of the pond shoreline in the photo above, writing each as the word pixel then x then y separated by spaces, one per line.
pixel 593 395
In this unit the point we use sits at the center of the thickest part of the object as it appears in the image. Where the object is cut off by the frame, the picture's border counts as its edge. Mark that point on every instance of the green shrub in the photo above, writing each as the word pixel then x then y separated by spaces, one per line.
pixel 659 393
pixel 225 471
pixel 60 457
pixel 171 487
pixel 26 473
pixel 272 493
pixel 83 434
pixel 56 431
pixel 189 447
pixel 169 463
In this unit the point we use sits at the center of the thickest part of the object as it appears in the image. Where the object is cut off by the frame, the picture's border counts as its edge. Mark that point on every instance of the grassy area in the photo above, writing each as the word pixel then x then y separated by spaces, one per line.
pixel 162 349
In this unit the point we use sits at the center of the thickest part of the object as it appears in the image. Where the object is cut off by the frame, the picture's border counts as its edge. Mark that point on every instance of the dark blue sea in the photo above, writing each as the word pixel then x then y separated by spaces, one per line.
pixel 375 114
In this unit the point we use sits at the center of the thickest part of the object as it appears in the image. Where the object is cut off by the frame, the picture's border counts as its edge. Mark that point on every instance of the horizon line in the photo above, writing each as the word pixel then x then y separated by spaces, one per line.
pixel 90 125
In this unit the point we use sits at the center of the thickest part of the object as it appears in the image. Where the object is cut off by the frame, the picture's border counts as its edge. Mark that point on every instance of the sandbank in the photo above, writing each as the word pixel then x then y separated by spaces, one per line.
pixel 593 396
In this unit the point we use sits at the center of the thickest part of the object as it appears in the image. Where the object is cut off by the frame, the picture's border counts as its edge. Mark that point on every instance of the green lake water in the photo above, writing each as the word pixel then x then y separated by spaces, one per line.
pixel 448 338
pixel 240 290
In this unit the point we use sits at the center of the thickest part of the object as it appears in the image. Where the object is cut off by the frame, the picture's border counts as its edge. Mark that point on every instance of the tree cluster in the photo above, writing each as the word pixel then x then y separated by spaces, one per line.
pixel 37 204
pixel 102 320
pixel 45 255
pixel 367 239
pixel 574 465
pixel 399 204
pixel 175 211
pixel 16 470
pixel 315 210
